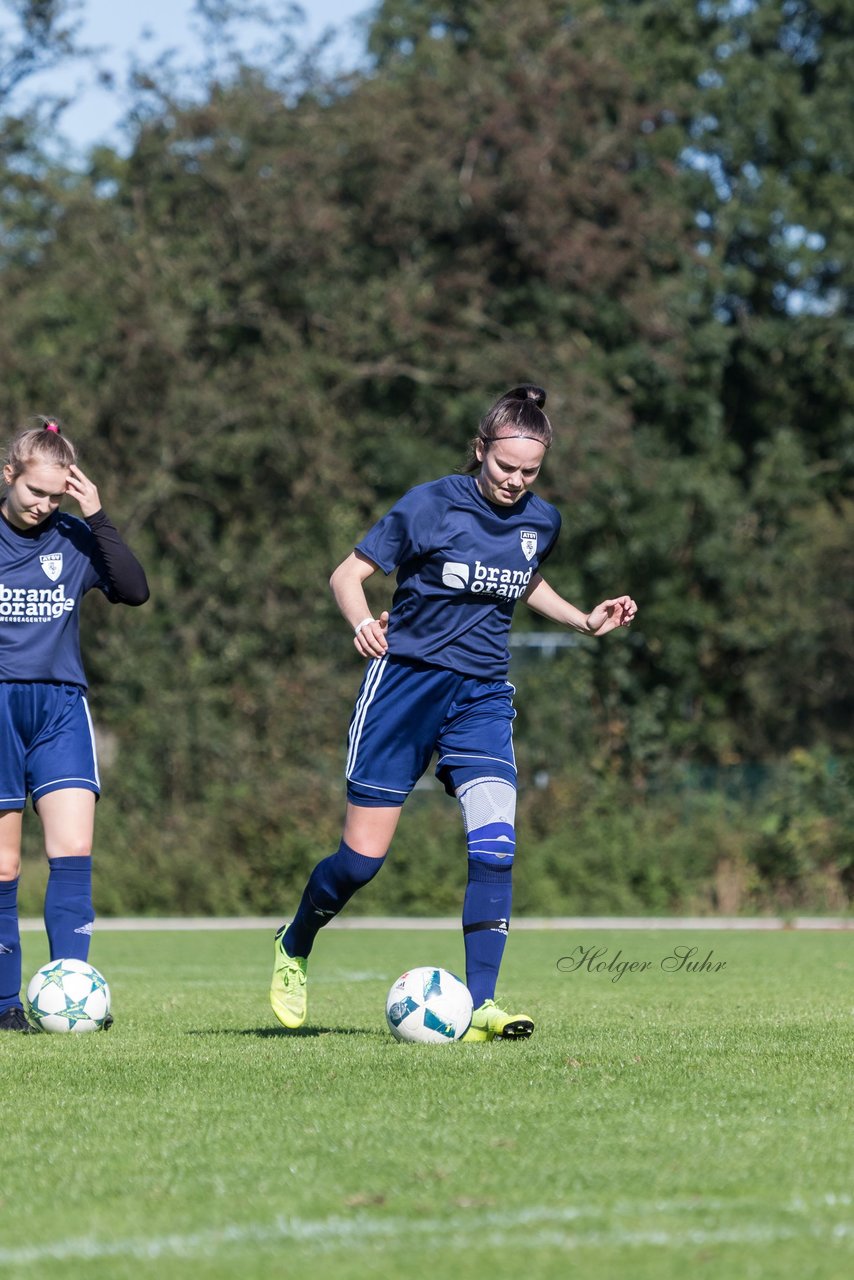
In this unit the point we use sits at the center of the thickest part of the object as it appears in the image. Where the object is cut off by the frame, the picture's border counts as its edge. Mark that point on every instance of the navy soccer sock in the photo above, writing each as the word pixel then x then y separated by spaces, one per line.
pixel 68 911
pixel 330 887
pixel 486 919
pixel 10 947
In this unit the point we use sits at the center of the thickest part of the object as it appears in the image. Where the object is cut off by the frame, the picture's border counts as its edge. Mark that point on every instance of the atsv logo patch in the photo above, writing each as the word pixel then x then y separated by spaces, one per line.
pixel 52 565
pixel 529 543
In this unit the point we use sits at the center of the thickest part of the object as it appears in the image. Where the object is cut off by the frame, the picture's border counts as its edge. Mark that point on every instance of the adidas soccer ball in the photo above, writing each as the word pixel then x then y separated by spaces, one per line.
pixel 428 1006
pixel 68 995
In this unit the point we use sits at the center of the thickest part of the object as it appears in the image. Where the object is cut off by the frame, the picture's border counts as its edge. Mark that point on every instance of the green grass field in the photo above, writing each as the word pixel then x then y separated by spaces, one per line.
pixel 658 1124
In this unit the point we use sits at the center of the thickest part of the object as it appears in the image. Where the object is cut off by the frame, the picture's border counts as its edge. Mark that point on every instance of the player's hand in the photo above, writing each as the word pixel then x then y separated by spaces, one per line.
pixel 610 614
pixel 82 489
pixel 371 641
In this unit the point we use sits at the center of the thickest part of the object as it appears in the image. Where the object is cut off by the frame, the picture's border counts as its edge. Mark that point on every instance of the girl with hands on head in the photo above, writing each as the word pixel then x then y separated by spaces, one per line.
pixel 48 561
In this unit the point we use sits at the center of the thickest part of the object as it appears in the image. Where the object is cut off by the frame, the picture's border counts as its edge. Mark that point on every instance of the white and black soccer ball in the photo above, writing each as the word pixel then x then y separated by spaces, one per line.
pixel 68 995
pixel 428 1006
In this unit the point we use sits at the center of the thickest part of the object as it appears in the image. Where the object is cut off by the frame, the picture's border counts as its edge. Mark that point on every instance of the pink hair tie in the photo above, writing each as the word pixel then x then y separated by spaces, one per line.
pixel 52 426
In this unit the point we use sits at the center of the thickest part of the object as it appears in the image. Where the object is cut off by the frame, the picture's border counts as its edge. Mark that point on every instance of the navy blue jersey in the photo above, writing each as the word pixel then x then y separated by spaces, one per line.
pixel 44 574
pixel 462 563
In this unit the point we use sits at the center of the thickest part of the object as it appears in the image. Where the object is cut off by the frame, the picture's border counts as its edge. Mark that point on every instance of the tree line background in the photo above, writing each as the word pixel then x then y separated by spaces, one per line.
pixel 293 298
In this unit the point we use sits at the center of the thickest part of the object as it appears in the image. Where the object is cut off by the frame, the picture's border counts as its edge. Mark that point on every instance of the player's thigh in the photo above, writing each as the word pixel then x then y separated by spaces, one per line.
pixel 398 715
pixel 14 731
pixel 68 821
pixel 62 755
pixel 10 843
pixel 477 736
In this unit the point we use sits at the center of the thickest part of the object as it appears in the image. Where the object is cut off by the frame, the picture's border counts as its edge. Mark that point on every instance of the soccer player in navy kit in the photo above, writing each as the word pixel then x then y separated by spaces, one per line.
pixel 466 549
pixel 48 561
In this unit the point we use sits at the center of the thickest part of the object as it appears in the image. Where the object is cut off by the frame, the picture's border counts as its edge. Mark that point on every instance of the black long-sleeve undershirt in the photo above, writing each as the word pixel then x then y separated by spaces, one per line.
pixel 124 575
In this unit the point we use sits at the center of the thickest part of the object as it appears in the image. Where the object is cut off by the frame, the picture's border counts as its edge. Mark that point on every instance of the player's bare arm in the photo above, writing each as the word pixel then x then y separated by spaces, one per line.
pixel 605 617
pixel 346 584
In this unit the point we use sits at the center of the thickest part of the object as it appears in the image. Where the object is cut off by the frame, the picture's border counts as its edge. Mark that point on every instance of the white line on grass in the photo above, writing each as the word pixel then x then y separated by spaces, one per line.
pixel 545 1227
pixel 142 924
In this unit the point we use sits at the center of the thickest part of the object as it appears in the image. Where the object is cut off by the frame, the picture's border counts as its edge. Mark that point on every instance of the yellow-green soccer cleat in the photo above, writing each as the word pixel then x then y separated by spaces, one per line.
pixel 491 1023
pixel 287 989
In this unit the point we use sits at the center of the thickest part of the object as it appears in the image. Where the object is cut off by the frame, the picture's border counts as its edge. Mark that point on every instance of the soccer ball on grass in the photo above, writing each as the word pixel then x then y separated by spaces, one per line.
pixel 68 995
pixel 428 1006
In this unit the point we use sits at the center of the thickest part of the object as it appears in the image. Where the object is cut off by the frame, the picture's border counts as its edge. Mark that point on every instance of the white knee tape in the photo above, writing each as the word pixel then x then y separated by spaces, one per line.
pixel 489 814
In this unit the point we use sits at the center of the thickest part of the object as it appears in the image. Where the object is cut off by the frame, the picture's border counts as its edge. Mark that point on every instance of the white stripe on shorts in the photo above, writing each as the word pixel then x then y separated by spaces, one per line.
pixel 54 783
pixel 369 692
pixel 92 736
pixel 472 757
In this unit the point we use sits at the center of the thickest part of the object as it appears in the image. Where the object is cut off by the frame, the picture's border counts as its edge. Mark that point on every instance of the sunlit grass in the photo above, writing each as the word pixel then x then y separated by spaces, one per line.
pixel 657 1121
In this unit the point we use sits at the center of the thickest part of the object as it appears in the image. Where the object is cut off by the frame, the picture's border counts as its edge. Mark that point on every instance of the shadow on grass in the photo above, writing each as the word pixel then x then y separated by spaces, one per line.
pixel 282 1033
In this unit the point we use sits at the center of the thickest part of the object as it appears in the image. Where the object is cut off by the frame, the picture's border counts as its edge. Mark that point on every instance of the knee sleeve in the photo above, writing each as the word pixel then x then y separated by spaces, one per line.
pixel 489 813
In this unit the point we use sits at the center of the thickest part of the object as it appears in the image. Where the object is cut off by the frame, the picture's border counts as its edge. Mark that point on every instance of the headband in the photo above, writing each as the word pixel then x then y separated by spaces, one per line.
pixel 516 436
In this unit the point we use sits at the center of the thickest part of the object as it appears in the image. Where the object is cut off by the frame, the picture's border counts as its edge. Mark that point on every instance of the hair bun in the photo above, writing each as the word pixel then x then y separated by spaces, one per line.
pixel 528 391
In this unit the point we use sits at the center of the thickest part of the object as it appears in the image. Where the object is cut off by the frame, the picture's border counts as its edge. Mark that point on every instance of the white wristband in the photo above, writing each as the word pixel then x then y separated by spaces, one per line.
pixel 364 623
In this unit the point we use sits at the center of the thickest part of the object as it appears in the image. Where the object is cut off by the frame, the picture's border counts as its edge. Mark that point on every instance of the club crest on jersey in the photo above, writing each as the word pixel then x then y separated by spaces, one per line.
pixel 529 543
pixel 52 565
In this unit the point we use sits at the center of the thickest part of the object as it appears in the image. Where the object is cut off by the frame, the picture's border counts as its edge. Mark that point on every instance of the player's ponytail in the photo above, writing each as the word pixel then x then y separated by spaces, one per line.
pixel 44 444
pixel 527 392
pixel 518 413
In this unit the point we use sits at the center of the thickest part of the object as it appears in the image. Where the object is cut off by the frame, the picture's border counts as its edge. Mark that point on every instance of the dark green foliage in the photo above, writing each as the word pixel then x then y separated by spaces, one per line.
pixel 294 299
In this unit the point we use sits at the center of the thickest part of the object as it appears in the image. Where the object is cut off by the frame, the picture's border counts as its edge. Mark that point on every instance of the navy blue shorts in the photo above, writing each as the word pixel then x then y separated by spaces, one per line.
pixel 46 742
pixel 406 710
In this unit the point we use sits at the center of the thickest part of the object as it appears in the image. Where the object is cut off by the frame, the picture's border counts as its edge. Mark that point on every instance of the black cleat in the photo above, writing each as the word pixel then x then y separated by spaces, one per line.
pixel 16 1020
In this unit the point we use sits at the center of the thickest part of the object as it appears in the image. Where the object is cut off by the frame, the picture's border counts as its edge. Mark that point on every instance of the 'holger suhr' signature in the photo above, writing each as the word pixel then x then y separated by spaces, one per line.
pixel 680 959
